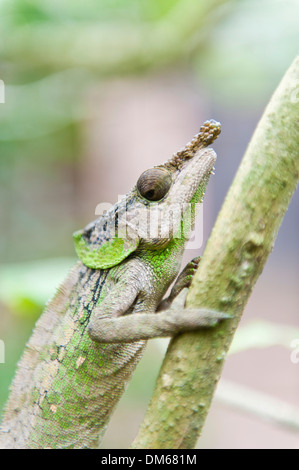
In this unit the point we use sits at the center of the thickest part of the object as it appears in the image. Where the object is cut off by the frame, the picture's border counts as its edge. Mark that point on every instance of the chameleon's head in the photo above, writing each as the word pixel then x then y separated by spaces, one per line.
pixel 174 189
pixel 159 208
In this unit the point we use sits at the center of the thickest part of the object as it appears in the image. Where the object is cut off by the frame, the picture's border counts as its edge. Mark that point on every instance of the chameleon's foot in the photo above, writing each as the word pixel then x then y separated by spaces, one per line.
pixel 185 277
pixel 192 319
pixel 183 280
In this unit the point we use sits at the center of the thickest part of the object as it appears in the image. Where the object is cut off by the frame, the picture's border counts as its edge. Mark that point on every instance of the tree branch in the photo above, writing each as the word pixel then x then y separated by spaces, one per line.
pixel 235 255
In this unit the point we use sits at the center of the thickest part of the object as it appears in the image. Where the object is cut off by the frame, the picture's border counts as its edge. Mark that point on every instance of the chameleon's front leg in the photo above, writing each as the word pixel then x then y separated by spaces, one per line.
pixel 144 326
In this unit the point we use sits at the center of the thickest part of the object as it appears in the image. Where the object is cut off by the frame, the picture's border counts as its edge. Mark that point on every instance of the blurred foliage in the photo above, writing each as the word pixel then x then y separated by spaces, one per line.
pixel 54 52
pixel 249 51
pixel 51 51
pixel 26 287
pixel 263 334
pixel 106 37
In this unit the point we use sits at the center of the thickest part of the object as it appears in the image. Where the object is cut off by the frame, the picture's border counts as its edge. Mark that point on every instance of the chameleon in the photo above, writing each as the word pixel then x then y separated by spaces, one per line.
pixel 92 333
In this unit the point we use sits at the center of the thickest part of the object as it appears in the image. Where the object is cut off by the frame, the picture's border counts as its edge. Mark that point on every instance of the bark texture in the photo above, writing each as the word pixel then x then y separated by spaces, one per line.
pixel 240 243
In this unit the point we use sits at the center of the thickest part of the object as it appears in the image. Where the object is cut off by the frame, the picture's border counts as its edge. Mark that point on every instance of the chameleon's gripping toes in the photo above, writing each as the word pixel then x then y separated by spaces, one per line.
pixel 68 381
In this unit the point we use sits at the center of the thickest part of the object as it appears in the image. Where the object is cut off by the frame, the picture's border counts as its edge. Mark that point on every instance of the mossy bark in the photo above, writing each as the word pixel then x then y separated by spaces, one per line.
pixel 240 243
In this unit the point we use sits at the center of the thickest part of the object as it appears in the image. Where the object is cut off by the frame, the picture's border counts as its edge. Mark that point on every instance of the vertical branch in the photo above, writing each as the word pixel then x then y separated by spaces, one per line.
pixel 237 250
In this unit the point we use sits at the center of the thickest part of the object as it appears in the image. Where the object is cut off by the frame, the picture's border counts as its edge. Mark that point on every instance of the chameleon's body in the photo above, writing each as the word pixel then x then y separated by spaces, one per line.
pixel 85 347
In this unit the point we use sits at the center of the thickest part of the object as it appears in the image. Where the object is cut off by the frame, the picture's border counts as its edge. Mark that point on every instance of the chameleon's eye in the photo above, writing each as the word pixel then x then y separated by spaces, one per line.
pixel 154 184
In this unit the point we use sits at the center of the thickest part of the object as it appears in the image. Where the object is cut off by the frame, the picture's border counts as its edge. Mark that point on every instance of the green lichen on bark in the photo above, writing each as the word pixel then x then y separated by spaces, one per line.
pixel 242 239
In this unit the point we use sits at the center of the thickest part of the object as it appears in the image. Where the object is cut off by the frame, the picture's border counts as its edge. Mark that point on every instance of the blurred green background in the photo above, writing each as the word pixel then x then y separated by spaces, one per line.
pixel 95 93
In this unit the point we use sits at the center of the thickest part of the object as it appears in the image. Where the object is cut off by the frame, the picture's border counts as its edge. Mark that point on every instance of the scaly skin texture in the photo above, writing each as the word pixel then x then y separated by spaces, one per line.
pixel 72 374
pixel 66 386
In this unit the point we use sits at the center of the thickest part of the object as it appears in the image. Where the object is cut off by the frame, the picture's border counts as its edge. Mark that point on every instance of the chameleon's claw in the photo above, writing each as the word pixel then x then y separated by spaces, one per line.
pixel 209 317
pixel 195 262
pixel 185 277
pixel 196 318
pixel 181 284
